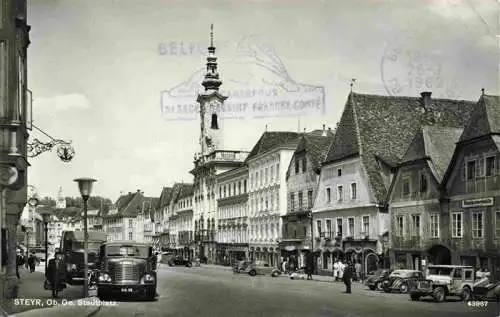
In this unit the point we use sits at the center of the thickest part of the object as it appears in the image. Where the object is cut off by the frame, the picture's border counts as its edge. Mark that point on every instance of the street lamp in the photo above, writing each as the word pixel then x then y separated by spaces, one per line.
pixel 46 218
pixel 85 187
pixel 32 202
pixel 310 216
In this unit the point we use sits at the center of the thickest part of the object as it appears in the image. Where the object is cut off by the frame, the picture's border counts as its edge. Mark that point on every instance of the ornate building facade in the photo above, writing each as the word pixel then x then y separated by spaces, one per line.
pixel 267 165
pixel 232 215
pixel 211 160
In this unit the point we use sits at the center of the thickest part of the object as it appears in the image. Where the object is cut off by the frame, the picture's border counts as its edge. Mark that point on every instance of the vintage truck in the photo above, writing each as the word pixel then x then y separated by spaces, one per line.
pixel 460 281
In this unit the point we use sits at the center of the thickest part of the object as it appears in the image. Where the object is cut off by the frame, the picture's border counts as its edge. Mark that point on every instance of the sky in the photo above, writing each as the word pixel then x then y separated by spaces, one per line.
pixel 109 75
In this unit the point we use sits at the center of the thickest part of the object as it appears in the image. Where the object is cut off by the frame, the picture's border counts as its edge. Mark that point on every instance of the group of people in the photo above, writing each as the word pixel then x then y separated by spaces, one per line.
pixel 339 268
pixel 29 260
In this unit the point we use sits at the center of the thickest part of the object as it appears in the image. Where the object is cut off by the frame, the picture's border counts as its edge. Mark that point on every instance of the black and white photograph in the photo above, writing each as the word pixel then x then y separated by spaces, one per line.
pixel 250 158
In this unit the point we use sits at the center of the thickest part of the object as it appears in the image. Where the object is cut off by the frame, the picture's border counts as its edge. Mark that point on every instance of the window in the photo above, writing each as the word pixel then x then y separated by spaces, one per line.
pixel 267 204
pixel 477 224
pixel 304 165
pixel 354 194
pixel 277 170
pixel 339 227
pixel 456 225
pixel 215 124
pixel 400 226
pixel 406 187
pixel 328 228
pixel 220 191
pixel 130 223
pixel 434 225
pixel 423 183
pixel 328 195
pixel 471 170
pixel 267 176
pixel 497 224
pixel 292 201
pixel 318 227
pixel 415 225
pixel 272 173
pixel 300 200
pixel 350 226
pixel 297 166
pixel 229 190
pixel 239 187
pixel 234 188
pixel 339 172
pixel 224 190
pixel 366 225
pixel 309 199
pixel 130 236
pixel 340 192
pixel 245 186
pixel 490 166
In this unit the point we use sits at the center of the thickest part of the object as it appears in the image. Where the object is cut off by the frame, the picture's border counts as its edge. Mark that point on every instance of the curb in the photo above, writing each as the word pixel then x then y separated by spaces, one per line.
pixel 89 310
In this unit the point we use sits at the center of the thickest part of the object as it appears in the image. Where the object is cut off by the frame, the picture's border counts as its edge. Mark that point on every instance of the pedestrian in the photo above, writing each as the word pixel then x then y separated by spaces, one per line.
pixel 357 267
pixel 158 260
pixel 341 270
pixel 32 262
pixel 283 266
pixel 56 273
pixel 347 276
pixel 310 266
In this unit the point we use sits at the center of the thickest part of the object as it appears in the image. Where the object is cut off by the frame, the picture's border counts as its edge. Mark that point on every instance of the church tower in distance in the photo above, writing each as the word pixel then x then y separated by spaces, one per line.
pixel 61 201
pixel 211 102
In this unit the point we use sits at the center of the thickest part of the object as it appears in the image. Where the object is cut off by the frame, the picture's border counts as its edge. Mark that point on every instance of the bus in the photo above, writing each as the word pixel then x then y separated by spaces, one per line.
pixel 72 247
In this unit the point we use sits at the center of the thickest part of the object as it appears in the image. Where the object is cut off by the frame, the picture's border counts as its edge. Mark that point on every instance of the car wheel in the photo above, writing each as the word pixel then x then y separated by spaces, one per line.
pixel 466 294
pixel 371 287
pixel 378 286
pixel 150 294
pixel 252 273
pixel 439 295
pixel 387 290
pixel 403 288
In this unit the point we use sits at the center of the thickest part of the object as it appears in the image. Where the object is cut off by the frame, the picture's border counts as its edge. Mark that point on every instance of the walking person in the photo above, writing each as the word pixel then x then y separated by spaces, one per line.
pixel 32 262
pixel 347 276
pixel 158 260
pixel 56 273
pixel 19 262
pixel 357 267
pixel 310 266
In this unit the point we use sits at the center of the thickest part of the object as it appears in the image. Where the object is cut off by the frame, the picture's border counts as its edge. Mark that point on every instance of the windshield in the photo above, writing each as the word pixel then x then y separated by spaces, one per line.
pixel 445 271
pixel 127 250
pixel 401 274
pixel 92 246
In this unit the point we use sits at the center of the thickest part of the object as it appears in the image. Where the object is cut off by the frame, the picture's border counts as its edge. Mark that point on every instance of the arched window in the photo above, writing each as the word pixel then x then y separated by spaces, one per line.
pixel 215 124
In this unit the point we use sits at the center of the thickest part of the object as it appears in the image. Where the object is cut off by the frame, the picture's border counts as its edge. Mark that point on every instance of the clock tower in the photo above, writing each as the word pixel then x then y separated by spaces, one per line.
pixel 211 104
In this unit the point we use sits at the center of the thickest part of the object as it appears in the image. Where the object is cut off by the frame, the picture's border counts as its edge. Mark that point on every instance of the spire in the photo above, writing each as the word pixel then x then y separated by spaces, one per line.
pixel 482 91
pixel 211 80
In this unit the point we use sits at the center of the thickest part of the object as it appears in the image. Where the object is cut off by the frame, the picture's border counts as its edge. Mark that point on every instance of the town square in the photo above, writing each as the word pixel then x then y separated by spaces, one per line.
pixel 271 158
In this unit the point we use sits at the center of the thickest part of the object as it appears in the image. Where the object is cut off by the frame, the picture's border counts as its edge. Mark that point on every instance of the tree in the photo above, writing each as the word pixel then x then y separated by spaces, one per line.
pixel 47 201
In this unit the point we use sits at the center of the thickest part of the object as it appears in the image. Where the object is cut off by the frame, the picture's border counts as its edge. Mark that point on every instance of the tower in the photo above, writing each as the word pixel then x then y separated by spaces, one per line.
pixel 61 201
pixel 211 104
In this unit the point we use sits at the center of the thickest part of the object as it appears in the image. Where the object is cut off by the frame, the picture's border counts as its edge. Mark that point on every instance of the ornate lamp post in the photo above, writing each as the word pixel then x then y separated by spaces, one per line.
pixel 85 187
pixel 32 202
pixel 46 218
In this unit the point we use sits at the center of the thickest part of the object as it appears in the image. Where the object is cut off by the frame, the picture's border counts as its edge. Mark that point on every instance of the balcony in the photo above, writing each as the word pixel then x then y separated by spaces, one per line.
pixel 221 157
pixel 482 184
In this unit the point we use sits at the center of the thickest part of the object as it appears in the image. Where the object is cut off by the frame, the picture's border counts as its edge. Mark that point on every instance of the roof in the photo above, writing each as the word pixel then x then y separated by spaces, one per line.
pixel 317 146
pixel 375 127
pixel 484 120
pixel 271 140
pixel 165 197
pixel 434 143
pixel 186 190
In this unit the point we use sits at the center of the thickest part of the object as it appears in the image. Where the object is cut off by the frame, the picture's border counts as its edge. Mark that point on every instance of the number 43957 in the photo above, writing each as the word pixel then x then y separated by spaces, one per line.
pixel 477 303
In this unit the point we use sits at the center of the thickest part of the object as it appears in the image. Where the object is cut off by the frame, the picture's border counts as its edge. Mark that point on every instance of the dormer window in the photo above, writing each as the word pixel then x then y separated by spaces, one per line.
pixel 215 124
pixel 339 172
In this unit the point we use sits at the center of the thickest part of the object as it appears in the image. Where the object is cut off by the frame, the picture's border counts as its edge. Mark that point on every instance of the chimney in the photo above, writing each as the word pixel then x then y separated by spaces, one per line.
pixel 426 99
pixel 324 130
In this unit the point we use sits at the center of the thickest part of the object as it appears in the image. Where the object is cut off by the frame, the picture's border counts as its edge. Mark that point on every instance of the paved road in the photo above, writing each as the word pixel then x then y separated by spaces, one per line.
pixel 209 291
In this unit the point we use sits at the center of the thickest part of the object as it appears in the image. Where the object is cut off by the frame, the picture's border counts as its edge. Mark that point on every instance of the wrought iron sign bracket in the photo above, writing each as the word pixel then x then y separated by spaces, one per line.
pixel 65 150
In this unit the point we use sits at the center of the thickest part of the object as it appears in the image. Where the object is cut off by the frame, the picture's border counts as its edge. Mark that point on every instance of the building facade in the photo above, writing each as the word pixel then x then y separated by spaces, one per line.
pixel 414 203
pixel 471 202
pixel 302 184
pixel 162 240
pixel 232 215
pixel 181 222
pixel 267 165
pixel 210 161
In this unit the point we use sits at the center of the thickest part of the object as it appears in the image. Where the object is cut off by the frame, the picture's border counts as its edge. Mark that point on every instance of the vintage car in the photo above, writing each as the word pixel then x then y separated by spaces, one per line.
pixel 402 281
pixel 179 260
pixel 446 280
pixel 240 266
pixel 261 268
pixel 126 268
pixel 374 280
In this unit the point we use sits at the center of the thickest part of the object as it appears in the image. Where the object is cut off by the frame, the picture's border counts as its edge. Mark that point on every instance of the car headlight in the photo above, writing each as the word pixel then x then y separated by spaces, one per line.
pixel 104 277
pixel 148 278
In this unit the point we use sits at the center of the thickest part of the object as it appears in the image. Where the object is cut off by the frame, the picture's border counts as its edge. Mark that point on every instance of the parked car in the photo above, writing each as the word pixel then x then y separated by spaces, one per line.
pixel 402 281
pixel 240 266
pixel 261 268
pixel 299 274
pixel 446 280
pixel 179 260
pixel 374 279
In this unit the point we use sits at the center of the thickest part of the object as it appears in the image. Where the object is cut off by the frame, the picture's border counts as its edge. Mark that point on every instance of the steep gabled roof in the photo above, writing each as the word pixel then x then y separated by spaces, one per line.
pixel 316 145
pixel 165 197
pixel 435 143
pixel 271 140
pixel 376 127
pixel 186 190
pixel 484 120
